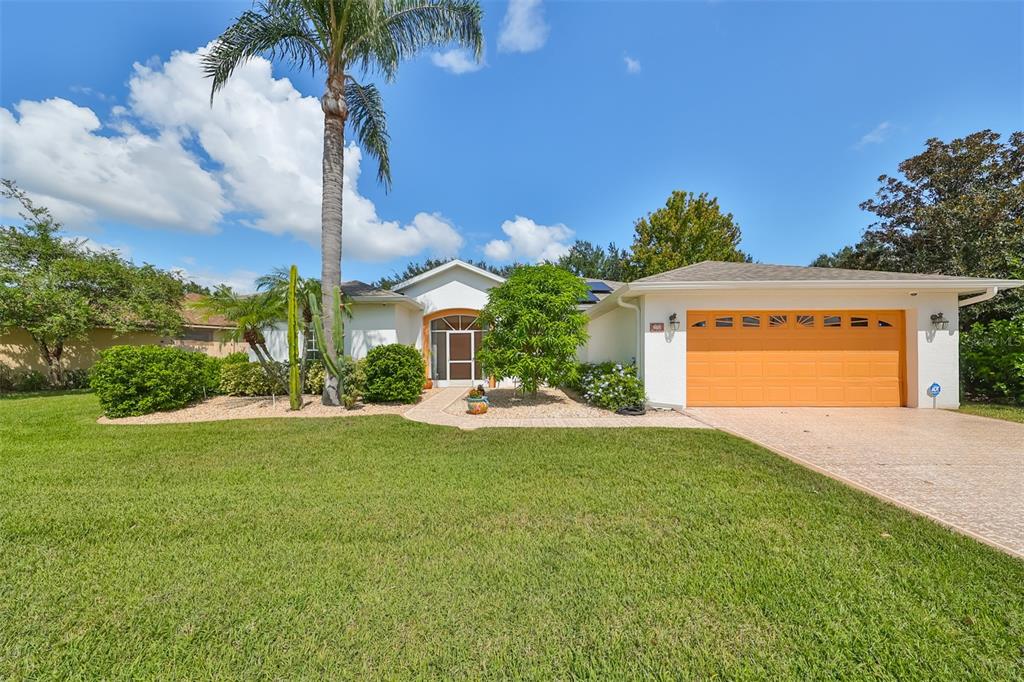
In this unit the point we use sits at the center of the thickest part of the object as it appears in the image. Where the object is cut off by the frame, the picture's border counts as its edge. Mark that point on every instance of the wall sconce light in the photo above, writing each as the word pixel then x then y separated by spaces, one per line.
pixel 939 321
pixel 673 322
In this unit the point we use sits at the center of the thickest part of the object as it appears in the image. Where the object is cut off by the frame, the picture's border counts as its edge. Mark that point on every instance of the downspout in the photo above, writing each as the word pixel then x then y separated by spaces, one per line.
pixel 980 298
pixel 639 336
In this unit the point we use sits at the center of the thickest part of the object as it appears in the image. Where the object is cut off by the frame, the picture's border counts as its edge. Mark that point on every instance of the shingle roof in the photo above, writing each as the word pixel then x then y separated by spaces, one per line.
pixel 199 318
pixel 354 288
pixel 718 271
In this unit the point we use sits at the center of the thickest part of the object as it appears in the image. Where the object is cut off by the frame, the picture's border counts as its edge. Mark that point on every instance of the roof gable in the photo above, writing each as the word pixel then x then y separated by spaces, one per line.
pixel 450 265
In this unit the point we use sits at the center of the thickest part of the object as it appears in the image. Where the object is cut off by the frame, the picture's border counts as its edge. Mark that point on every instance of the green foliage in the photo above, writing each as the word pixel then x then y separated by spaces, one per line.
pixel 611 385
pixel 237 356
pixel 294 382
pixel 594 262
pixel 689 229
pixel 132 380
pixel 315 377
pixel 353 381
pixel 394 373
pixel 992 360
pixel 958 209
pixel 247 379
pixel 533 326
pixel 33 380
pixel 57 289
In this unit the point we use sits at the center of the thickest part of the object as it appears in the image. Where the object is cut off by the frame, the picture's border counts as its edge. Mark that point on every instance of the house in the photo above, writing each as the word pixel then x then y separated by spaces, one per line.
pixel 19 352
pixel 722 334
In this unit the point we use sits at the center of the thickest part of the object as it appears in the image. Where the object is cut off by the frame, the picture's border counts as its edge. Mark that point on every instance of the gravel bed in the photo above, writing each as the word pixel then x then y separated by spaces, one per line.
pixel 225 407
pixel 549 403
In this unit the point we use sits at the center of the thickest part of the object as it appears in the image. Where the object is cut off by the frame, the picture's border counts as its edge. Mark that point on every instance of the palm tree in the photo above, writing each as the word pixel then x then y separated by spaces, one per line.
pixel 251 315
pixel 276 284
pixel 337 37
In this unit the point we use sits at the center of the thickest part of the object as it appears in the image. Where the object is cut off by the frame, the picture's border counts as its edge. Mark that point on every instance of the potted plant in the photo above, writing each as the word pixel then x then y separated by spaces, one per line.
pixel 476 401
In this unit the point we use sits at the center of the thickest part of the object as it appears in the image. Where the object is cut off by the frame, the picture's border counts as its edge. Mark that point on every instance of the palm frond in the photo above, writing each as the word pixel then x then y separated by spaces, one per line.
pixel 276 29
pixel 369 123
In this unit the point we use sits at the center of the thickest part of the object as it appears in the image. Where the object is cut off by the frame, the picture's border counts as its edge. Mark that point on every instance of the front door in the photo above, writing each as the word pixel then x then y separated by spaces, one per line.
pixel 454 342
pixel 461 356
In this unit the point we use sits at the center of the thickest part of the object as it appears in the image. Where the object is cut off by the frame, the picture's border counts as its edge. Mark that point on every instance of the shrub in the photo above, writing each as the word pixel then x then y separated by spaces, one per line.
pixel 611 386
pixel 992 360
pixel 32 380
pixel 353 379
pixel 76 378
pixel 394 373
pixel 239 356
pixel 314 377
pixel 248 379
pixel 132 380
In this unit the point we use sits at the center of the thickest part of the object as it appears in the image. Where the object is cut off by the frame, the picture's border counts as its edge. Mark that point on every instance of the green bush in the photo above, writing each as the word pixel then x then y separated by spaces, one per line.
pixel 248 379
pixel 132 380
pixel 314 377
pixel 353 380
pixel 992 360
pixel 611 385
pixel 32 380
pixel 394 373
pixel 236 357
pixel 76 378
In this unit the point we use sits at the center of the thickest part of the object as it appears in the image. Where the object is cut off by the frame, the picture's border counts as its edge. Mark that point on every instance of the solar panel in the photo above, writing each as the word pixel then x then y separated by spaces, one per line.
pixel 590 299
pixel 599 287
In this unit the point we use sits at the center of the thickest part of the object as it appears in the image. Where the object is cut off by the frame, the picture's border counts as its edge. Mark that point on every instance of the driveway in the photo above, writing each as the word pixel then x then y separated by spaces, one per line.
pixel 964 471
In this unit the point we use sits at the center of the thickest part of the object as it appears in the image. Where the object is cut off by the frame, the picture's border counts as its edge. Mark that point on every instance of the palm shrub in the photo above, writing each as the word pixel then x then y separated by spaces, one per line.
pixel 394 373
pixel 134 380
pixel 341 38
pixel 992 360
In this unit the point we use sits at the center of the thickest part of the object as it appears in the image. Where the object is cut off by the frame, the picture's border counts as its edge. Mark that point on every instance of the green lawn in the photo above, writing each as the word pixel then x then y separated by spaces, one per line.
pixel 1012 413
pixel 378 547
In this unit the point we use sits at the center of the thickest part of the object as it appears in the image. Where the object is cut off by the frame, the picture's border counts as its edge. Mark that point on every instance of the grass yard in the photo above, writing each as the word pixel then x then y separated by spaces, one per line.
pixel 378 547
pixel 1012 413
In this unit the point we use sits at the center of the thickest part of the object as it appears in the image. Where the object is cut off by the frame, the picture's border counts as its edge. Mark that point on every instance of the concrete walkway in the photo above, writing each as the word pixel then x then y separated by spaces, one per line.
pixel 432 411
pixel 963 471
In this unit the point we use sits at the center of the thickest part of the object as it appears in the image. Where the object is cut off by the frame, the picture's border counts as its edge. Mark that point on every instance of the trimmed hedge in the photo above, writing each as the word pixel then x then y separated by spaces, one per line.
pixel 133 380
pixel 247 379
pixel 394 373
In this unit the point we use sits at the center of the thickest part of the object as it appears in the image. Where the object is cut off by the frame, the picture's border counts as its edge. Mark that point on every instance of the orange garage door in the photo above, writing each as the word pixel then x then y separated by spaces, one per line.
pixel 826 358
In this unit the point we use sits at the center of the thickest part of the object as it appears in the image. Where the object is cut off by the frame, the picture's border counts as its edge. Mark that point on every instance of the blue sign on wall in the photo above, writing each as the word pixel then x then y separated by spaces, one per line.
pixel 934 390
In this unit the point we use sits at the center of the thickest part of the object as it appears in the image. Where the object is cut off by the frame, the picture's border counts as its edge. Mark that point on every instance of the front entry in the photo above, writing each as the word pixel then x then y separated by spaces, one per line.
pixel 454 342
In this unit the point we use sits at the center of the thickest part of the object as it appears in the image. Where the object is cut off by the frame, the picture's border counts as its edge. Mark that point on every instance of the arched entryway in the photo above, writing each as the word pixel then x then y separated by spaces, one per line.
pixel 451 339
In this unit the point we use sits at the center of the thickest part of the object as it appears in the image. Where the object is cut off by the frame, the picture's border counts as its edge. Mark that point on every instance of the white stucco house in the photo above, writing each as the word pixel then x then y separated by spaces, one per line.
pixel 714 334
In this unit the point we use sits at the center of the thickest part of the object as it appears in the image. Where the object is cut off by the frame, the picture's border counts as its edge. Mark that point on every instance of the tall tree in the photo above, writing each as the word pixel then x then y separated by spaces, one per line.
pixel 688 229
pixel 958 209
pixel 591 260
pixel 339 37
pixel 57 289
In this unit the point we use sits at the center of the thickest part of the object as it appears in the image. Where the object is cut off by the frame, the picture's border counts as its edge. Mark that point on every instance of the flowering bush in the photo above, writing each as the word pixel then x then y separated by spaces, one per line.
pixel 611 385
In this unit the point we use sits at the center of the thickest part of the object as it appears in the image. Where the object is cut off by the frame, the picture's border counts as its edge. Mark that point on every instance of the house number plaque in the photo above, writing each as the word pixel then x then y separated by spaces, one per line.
pixel 657 326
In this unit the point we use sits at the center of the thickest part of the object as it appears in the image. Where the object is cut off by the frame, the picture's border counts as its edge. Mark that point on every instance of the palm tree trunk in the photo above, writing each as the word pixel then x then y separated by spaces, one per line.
pixel 335 112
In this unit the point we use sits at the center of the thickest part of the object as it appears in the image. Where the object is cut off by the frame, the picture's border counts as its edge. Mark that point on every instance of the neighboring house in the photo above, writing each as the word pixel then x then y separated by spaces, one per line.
pixel 19 352
pixel 730 334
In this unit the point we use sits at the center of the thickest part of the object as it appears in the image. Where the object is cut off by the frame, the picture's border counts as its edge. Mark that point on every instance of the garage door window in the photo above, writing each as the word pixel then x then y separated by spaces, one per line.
pixel 805 320
pixel 699 324
pixel 778 320
pixel 723 321
pixel 884 323
pixel 858 321
pixel 833 321
pixel 751 320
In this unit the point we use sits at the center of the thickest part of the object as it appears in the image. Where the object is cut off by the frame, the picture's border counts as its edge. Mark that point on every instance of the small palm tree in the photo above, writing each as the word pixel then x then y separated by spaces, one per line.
pixel 276 284
pixel 339 37
pixel 251 314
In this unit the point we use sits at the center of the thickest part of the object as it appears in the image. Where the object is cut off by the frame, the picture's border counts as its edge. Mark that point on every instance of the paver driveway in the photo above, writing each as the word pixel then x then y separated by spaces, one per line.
pixel 964 471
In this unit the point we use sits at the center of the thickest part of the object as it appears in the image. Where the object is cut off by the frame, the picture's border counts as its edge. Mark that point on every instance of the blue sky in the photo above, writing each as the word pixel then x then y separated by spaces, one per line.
pixel 584 117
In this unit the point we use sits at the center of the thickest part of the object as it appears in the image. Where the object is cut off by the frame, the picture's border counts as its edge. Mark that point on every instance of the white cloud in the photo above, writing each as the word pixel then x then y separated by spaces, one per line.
pixel 457 61
pixel 529 241
pixel 877 135
pixel 243 281
pixel 92 245
pixel 55 151
pixel 632 65
pixel 263 140
pixel 523 28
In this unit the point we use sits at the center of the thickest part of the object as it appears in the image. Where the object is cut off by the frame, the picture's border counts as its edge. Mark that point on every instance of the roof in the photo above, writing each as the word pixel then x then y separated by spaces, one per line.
pixel 718 271
pixel 718 275
pixel 361 292
pixel 456 263
pixel 199 318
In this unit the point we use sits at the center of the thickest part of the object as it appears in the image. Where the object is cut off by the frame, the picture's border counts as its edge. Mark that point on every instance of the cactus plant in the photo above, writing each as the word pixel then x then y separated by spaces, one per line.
pixel 294 382
pixel 330 359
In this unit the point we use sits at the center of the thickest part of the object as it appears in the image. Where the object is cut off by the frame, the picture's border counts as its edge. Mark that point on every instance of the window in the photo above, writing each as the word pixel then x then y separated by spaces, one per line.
pixel 883 323
pixel 312 352
pixel 833 321
pixel 805 320
pixel 778 320
pixel 723 321
pixel 699 324
pixel 751 320
pixel 197 334
pixel 858 321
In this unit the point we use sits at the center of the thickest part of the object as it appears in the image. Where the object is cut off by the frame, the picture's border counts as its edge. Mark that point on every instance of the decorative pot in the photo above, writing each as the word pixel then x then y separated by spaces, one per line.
pixel 428 384
pixel 476 405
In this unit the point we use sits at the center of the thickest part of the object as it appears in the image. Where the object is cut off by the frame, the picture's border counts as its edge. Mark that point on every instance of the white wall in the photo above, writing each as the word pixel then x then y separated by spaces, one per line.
pixel 932 356
pixel 454 288
pixel 612 338
pixel 371 325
